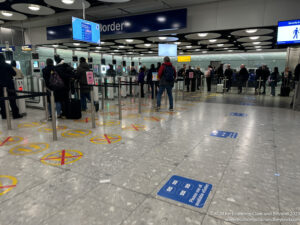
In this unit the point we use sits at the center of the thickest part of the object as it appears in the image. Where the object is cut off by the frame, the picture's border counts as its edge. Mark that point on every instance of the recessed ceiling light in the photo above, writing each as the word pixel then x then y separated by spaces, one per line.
pixel 226 48
pixel 220 45
pixel 98 47
pixel 162 38
pixel 177 43
pixel 97 51
pixel 78 48
pixel 204 52
pixel 129 40
pixel 76 44
pixel 230 50
pixel 213 40
pixel 68 2
pixel 254 38
pixel 202 34
pixel 33 7
pixel 142 54
pixel 150 52
pixel 229 36
pixel 102 42
pixel 256 43
pixel 55 46
pixel 116 50
pixel 251 31
pixel 7 14
pixel 197 50
pixel 161 19
pixel 257 46
pixel 181 53
pixel 189 46
pixel 258 50
pixel 121 46
pixel 147 45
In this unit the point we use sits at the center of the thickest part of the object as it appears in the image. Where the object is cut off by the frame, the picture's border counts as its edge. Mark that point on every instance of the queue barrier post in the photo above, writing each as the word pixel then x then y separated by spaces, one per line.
pixel 295 95
pixel 105 88
pixel 166 97
pixel 119 98
pixel 140 99
pixel 176 91
pixel 46 103
pixel 52 102
pixel 93 108
pixel 8 118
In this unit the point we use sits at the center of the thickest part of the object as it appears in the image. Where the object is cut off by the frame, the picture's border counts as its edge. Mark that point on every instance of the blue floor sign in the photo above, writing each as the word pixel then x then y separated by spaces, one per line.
pixel 224 134
pixel 238 114
pixel 247 103
pixel 187 191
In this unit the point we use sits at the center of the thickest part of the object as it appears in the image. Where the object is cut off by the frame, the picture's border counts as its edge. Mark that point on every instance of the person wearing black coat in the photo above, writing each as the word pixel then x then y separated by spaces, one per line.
pixel 273 80
pixel 198 74
pixel 190 79
pixel 242 77
pixel 228 75
pixel 6 80
pixel 149 79
pixel 81 75
pixel 67 74
pixel 265 75
pixel 47 72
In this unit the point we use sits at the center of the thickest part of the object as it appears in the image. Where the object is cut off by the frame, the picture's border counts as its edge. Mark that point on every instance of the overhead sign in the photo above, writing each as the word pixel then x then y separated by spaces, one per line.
pixel 187 191
pixel 160 21
pixel 184 58
pixel 288 32
pixel 224 134
pixel 27 48
pixel 10 48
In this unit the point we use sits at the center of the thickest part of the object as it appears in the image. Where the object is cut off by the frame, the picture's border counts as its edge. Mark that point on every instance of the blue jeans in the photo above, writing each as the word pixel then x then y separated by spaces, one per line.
pixel 83 98
pixel 58 108
pixel 161 91
pixel 273 86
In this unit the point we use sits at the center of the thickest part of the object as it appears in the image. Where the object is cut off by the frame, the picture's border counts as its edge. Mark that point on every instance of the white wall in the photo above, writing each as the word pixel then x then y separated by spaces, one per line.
pixel 231 14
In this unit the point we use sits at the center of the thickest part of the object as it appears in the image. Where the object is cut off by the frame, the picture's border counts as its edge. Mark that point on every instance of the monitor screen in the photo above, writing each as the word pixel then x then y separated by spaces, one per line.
pixel 90 59
pixel 114 62
pixel 86 31
pixel 102 61
pixel 75 66
pixel 167 50
pixel 35 55
pixel 288 32
pixel 35 64
pixel 75 58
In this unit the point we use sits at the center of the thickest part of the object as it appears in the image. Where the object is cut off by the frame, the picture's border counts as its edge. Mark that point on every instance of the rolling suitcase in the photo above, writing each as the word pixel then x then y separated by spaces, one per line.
pixel 285 89
pixel 220 88
pixel 73 109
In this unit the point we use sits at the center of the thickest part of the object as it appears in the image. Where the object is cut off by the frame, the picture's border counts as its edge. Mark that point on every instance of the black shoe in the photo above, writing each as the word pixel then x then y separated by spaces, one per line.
pixel 17 117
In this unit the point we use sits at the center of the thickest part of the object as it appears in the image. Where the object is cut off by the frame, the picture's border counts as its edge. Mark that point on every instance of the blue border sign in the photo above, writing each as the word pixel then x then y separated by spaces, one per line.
pixel 238 114
pixel 224 134
pixel 187 191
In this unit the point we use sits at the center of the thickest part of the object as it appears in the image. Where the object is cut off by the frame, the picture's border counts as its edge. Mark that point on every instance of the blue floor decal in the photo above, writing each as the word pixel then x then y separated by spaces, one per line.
pixel 238 114
pixel 187 191
pixel 224 134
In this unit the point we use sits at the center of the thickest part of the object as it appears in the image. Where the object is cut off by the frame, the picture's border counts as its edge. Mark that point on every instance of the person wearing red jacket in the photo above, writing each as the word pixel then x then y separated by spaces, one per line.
pixel 166 77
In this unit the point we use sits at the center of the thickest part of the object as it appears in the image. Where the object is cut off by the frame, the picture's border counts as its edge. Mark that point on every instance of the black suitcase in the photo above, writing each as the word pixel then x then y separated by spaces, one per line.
pixel 285 91
pixel 73 109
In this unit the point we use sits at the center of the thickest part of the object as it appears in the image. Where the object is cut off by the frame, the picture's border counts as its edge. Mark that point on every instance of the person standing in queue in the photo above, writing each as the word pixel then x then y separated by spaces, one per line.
pixel 166 76
pixel 66 73
pixel 228 75
pixel 141 80
pixel 265 75
pixel 49 71
pixel 156 83
pixel 273 80
pixel 6 80
pixel 190 79
pixel 150 80
pixel 111 72
pixel 198 74
pixel 19 74
pixel 84 90
pixel 220 73
pixel 243 76
pixel 208 75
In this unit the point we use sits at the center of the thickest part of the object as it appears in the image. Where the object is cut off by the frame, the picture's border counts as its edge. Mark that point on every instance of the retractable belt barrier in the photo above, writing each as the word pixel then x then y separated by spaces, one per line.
pixel 6 99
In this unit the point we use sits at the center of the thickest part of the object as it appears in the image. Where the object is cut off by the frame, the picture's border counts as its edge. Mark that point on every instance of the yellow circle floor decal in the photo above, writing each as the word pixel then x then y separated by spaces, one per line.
pixel 49 130
pixel 7 183
pixel 135 127
pixel 109 123
pixel 61 157
pixel 76 133
pixel 85 120
pixel 7 141
pixel 106 139
pixel 29 125
pixel 28 149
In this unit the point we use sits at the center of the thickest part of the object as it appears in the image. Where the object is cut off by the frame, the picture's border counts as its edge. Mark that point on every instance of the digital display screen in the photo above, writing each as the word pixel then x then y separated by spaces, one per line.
pixel 35 64
pixel 35 55
pixel 288 32
pixel 167 50
pixel 75 66
pixel 86 31
pixel 124 70
pixel 75 59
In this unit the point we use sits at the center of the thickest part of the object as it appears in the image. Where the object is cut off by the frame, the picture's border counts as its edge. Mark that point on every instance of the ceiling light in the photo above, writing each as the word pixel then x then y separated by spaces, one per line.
pixel 7 14
pixel 213 40
pixel 257 46
pixel 229 36
pixel 76 44
pixel 78 48
pixel 98 47
pixel 202 34
pixel 230 50
pixel 162 38
pixel 129 40
pixel 189 46
pixel 178 43
pixel 251 31
pixel 161 19
pixel 116 50
pixel 147 45
pixel 33 7
pixel 121 46
pixel 254 38
pixel 197 50
pixel 68 2
pixel 258 50
pixel 256 43
pixel 220 45
pixel 102 42
pixel 226 48
pixel 150 52
pixel 181 53
pixel 142 54
pixel 204 52
pixel 97 51
pixel 55 46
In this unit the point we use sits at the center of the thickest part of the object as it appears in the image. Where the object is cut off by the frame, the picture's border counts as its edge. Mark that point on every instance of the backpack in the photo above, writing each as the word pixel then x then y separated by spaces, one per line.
pixel 55 82
pixel 169 73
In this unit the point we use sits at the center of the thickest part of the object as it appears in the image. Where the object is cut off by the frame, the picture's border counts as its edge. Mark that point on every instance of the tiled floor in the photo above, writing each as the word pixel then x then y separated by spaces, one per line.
pixel 255 177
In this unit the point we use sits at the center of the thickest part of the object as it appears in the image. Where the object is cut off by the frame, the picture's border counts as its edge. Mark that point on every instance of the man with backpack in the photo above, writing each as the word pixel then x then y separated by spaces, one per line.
pixel 166 77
